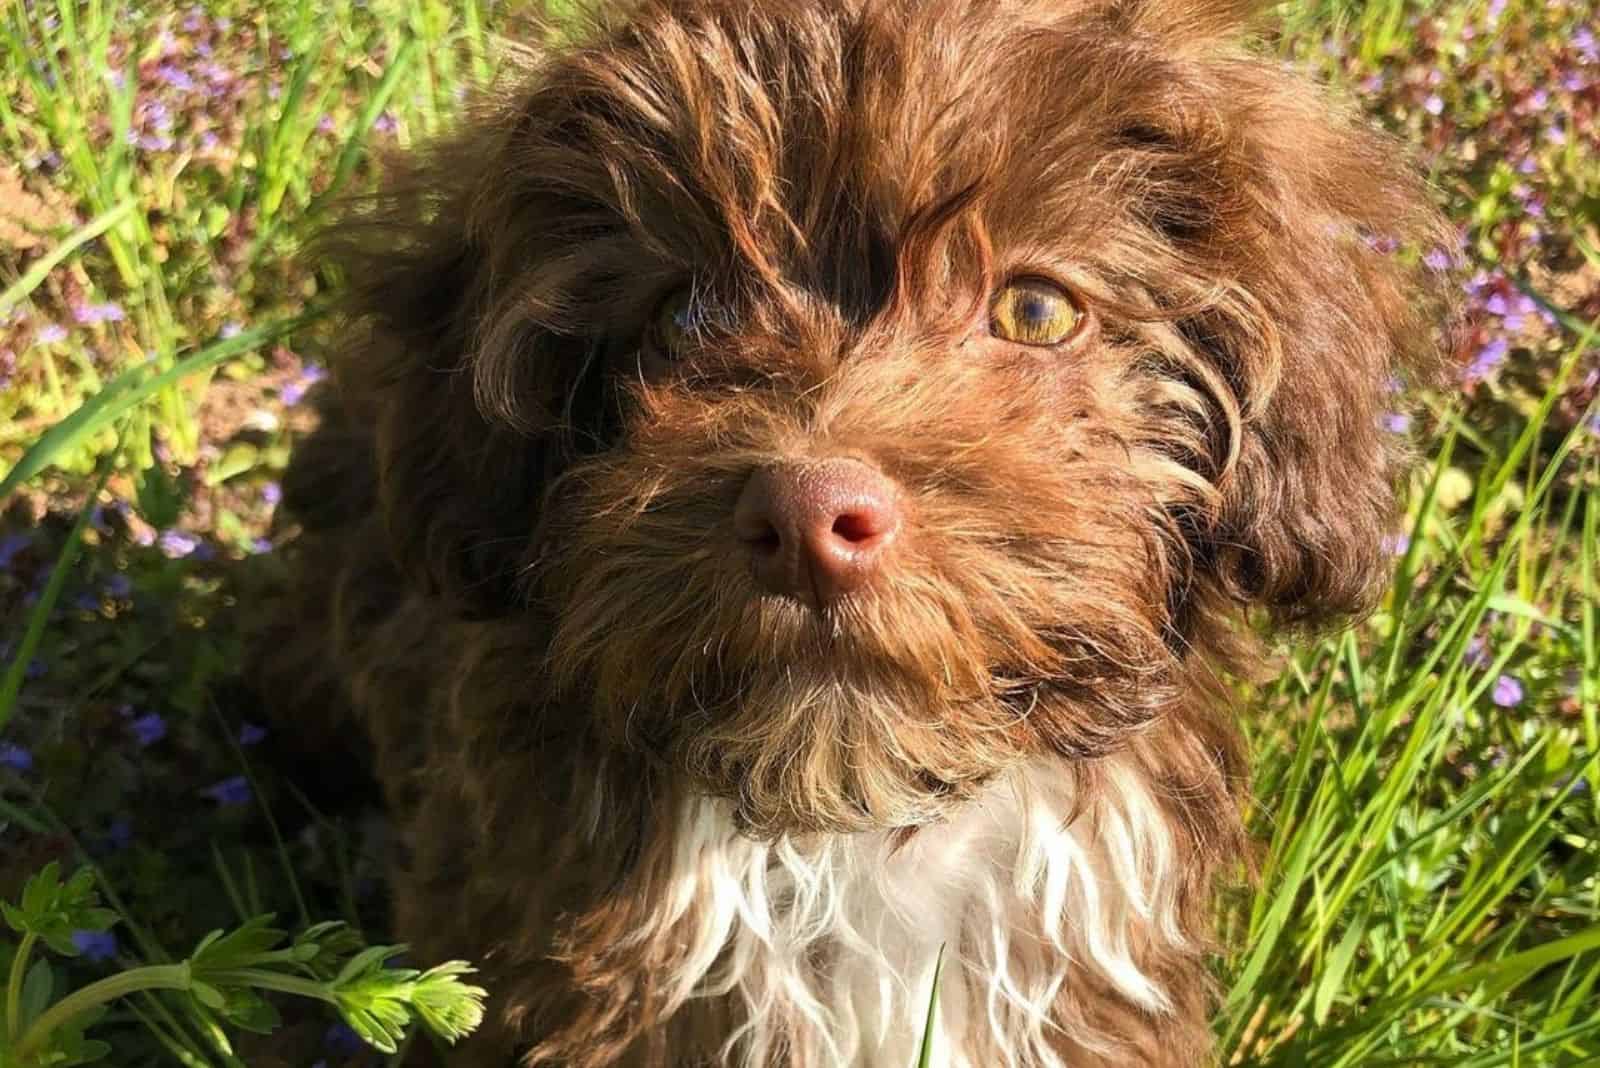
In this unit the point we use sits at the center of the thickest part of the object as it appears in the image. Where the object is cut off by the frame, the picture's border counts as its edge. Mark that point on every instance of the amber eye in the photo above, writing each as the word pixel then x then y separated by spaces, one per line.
pixel 1033 311
pixel 673 324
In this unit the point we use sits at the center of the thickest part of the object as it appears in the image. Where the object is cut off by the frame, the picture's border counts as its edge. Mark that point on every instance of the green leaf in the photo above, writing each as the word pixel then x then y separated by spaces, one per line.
pixel 238 949
pixel 925 1057
pixel 207 995
pixel 38 990
pixel 449 1008
pixel 248 1010
pixel 133 387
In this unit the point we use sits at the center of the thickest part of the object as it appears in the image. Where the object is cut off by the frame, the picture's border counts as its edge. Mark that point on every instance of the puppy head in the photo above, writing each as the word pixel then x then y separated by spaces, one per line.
pixel 857 396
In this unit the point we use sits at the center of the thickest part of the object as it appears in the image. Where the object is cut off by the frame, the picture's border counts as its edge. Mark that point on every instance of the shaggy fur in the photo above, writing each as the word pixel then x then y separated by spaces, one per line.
pixel 682 821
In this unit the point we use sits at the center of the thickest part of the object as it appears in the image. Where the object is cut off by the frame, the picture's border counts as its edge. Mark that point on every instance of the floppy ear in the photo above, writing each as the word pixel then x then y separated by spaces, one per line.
pixel 463 389
pixel 1295 235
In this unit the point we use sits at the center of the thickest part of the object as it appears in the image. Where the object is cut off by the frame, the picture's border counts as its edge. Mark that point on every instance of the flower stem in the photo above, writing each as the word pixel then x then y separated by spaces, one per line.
pixel 19 970
pixel 150 977
pixel 265 980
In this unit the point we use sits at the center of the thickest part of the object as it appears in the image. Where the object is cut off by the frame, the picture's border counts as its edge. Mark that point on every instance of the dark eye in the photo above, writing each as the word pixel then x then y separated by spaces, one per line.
pixel 1033 311
pixel 674 322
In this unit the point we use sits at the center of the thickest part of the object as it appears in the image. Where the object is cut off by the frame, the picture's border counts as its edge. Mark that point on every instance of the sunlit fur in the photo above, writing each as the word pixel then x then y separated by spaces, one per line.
pixel 831 947
pixel 663 807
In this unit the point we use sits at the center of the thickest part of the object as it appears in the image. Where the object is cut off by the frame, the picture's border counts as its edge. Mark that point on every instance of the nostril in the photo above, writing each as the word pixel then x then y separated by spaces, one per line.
pixel 766 541
pixel 857 527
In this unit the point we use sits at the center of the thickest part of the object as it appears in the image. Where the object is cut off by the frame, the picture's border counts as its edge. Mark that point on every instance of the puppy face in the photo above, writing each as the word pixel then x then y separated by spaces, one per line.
pixel 857 397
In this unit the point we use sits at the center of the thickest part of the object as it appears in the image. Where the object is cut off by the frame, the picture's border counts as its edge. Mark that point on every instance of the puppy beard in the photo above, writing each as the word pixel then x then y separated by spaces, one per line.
pixel 882 711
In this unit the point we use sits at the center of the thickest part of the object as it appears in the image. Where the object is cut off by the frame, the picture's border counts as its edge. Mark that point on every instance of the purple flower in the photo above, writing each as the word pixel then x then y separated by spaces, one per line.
pixel 1397 544
pixel 295 391
pixel 1495 9
pixel 1573 83
pixel 1555 134
pixel 386 123
pixel 339 1038
pixel 175 77
pixel 1539 100
pixel 1434 105
pixel 325 124
pixel 148 729
pixel 95 945
pixel 1489 357
pixel 231 328
pixel 89 314
pixel 1372 84
pixel 15 757
pixel 260 545
pixel 1586 45
pixel 1527 165
pixel 1397 422
pixel 271 493
pixel 232 791
pixel 1507 692
pixel 119 835
pixel 10 546
pixel 50 334
pixel 118 586
pixel 177 544
pixel 1439 260
pixel 251 734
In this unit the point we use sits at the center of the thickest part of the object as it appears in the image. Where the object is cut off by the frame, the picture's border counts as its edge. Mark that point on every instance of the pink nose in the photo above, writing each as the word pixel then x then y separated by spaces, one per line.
pixel 817 530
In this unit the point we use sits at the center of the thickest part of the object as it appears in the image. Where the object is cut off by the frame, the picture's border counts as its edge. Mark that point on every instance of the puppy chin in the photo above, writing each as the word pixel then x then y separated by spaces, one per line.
pixel 804 750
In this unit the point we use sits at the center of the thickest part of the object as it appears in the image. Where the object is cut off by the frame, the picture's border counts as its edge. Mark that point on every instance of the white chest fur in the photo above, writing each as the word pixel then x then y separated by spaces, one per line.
pixel 831 948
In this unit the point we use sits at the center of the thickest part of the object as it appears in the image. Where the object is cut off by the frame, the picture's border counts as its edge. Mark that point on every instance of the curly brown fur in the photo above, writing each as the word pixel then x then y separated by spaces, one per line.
pixel 518 571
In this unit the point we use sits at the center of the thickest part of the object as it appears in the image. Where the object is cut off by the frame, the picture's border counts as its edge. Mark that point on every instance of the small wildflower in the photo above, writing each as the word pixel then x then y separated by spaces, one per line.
pixel 231 328
pixel 15 757
pixel 1555 134
pixel 231 791
pixel 118 587
pixel 1489 357
pixel 325 124
pixel 260 546
pixel 251 734
pixel 50 334
pixel 1434 105
pixel 95 946
pixel 339 1038
pixel 1397 422
pixel 1439 260
pixel 10 546
pixel 1584 41
pixel 1507 691
pixel 177 544
pixel 119 835
pixel 1397 544
pixel 271 493
pixel 148 729
pixel 175 76
pixel 90 314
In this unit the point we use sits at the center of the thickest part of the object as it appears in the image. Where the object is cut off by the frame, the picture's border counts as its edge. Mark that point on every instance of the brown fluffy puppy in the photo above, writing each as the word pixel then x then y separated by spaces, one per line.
pixel 799 471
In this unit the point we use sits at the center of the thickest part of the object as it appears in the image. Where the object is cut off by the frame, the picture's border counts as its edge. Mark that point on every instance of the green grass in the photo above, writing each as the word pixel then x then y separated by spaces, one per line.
pixel 1427 793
